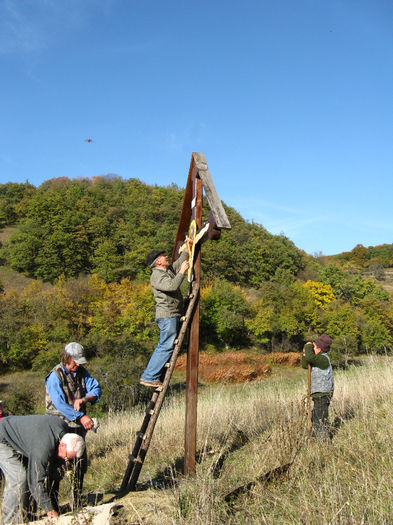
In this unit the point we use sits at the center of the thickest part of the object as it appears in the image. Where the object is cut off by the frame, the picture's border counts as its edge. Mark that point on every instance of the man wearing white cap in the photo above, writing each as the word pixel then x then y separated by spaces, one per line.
pixel 69 387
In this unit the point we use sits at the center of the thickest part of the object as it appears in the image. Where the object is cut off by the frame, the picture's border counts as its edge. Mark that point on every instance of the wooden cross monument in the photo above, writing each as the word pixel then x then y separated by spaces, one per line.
pixel 189 228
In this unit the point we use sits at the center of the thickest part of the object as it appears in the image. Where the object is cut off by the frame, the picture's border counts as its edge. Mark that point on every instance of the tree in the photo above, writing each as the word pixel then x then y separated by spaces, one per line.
pixel 322 293
pixel 341 322
pixel 260 321
pixel 377 270
pixel 12 195
pixel 106 260
pixel 376 336
pixel 352 288
pixel 23 247
pixel 223 310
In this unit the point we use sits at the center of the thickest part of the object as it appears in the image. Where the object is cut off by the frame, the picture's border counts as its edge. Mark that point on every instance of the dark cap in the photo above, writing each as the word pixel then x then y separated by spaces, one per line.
pixel 152 256
pixel 323 342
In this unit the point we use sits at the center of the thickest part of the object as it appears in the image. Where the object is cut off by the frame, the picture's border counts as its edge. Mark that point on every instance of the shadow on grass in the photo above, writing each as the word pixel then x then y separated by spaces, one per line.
pixel 348 414
pixel 169 476
pixel 268 477
pixel 240 439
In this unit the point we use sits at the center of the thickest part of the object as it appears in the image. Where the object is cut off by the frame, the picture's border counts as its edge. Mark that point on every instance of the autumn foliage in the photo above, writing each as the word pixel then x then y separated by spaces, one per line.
pixel 82 245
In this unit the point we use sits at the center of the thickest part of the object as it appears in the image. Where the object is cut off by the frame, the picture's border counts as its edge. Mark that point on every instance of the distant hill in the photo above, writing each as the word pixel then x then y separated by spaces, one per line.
pixel 384 278
pixel 372 257
pixel 375 262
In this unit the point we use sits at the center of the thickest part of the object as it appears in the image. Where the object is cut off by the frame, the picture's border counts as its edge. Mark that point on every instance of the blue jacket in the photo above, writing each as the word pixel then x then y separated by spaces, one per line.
pixel 56 393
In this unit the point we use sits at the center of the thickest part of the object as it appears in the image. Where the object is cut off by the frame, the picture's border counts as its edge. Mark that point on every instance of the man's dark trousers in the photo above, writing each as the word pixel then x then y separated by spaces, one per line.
pixel 320 416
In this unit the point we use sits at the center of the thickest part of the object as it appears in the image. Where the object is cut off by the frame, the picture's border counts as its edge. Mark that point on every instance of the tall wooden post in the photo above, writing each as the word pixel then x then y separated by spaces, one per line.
pixel 199 179
pixel 193 348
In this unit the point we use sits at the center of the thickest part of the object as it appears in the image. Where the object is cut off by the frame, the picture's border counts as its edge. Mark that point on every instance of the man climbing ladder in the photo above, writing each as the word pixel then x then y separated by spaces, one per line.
pixel 165 281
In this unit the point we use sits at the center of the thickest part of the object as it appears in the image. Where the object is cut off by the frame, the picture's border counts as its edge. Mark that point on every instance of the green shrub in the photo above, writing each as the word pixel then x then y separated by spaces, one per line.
pixel 46 360
pixel 21 402
pixel 118 374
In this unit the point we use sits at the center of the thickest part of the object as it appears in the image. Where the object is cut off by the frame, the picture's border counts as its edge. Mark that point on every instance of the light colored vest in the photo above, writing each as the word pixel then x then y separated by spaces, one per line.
pixel 73 387
pixel 322 380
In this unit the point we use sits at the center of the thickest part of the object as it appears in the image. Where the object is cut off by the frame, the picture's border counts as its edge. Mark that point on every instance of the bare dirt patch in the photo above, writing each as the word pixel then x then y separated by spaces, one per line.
pixel 13 280
pixel 238 367
pixel 6 233
pixel 286 359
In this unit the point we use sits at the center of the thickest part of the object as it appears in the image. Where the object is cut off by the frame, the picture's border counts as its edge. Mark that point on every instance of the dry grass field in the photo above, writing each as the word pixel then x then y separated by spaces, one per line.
pixel 252 437
pixel 255 462
pixel 386 282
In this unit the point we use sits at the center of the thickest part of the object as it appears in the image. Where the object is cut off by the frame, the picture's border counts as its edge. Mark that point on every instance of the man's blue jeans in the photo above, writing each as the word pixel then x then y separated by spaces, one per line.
pixel 163 351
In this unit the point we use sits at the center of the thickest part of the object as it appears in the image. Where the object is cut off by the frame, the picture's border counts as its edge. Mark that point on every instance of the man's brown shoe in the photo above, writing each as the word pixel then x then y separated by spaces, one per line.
pixel 153 384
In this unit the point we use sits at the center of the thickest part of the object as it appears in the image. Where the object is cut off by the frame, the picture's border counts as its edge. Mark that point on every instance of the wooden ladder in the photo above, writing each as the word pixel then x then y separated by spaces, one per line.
pixel 144 435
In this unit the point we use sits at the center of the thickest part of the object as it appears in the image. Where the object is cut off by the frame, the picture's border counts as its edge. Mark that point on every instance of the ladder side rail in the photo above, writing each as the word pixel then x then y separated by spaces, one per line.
pixel 146 439
pixel 138 442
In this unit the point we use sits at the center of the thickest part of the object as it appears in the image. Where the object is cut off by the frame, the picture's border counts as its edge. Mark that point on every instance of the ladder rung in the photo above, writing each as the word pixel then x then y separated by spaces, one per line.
pixel 134 459
pixel 149 411
pixel 167 365
pixel 175 341
pixel 182 318
pixel 139 433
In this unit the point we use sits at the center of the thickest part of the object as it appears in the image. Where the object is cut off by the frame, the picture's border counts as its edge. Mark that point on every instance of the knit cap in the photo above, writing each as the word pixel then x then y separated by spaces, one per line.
pixel 323 342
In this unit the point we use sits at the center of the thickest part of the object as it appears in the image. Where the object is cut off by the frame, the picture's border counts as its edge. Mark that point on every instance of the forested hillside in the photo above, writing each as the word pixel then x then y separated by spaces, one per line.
pixel 372 258
pixel 106 225
pixel 88 238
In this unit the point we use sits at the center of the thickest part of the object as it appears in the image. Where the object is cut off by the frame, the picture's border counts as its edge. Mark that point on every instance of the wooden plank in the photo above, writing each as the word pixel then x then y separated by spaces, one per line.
pixel 199 166
pixel 213 199
pixel 185 215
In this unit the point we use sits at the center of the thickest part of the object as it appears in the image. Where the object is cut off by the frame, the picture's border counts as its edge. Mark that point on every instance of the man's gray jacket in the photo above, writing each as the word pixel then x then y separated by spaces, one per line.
pixel 36 438
pixel 166 289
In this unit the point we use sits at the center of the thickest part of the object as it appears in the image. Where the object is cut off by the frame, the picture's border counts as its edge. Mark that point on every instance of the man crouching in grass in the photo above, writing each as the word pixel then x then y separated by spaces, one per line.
pixel 322 382
pixel 27 445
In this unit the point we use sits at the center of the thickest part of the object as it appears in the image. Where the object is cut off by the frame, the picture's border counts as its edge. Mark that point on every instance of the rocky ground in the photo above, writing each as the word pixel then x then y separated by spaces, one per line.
pixel 148 507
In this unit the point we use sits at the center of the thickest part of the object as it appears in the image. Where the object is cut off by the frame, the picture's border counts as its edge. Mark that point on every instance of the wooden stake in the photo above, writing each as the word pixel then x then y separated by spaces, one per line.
pixel 309 422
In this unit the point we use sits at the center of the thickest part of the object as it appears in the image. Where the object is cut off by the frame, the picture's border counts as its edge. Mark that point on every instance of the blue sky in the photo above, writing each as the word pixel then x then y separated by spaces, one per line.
pixel 291 102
